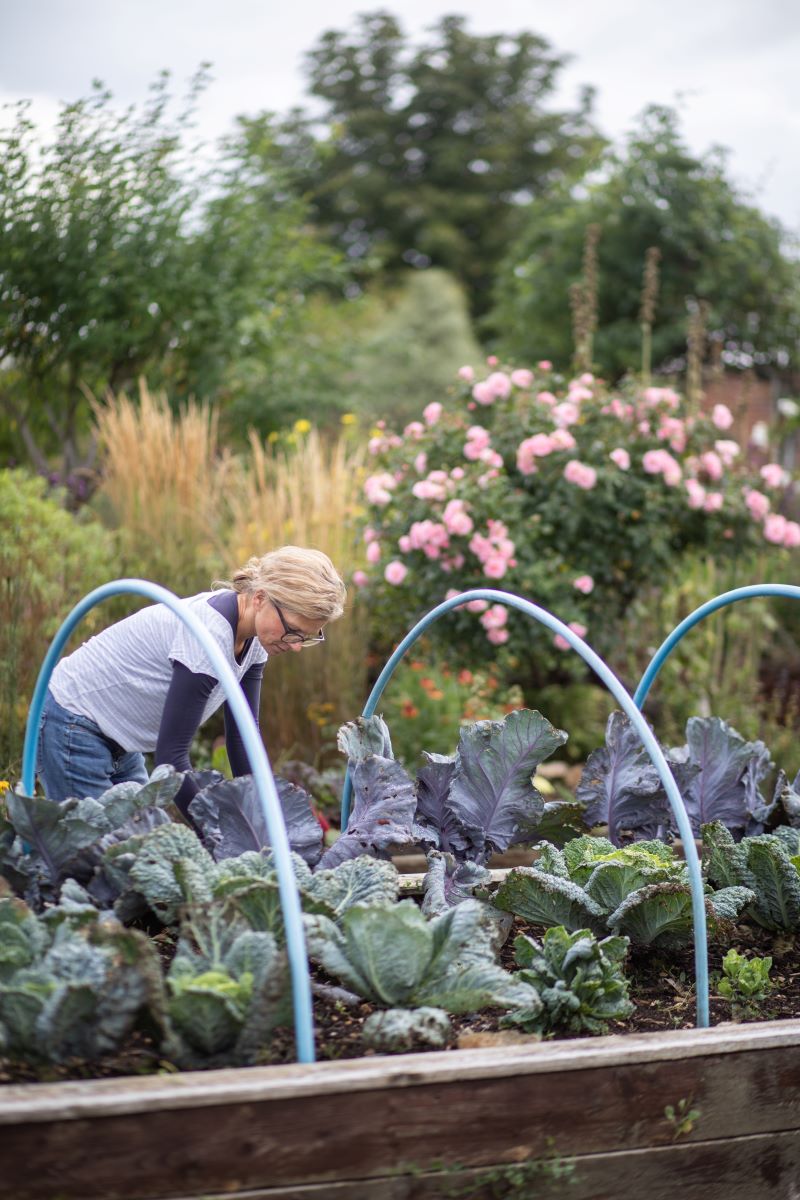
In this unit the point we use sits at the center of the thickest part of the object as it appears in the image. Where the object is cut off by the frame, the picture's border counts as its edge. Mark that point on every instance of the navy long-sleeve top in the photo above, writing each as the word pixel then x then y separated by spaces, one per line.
pixel 185 703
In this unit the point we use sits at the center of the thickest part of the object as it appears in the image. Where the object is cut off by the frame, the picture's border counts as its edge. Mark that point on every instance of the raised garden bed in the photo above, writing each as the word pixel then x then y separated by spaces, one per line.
pixel 700 1114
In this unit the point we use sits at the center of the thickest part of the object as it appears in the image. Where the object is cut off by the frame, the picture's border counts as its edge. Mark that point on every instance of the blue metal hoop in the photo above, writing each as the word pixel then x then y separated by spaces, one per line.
pixel 705 610
pixel 628 706
pixel 257 755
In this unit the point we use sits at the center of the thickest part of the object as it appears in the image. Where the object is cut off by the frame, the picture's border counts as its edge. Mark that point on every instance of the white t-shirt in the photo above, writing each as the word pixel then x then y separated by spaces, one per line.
pixel 120 677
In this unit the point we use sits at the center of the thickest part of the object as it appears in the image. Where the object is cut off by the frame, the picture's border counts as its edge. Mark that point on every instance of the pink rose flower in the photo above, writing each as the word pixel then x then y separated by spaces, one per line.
pixel 621 458
pixel 773 475
pixel 775 528
pixel 497 636
pixel 457 473
pixel 477 606
pixel 545 365
pixel 484 393
pixel 722 416
pixel 500 384
pixel 566 413
pixel 431 412
pixel 495 617
pixel 757 504
pixel 696 493
pixel 395 572
pixel 495 566
pixel 522 378
pixel 404 543
pixel 584 583
pixel 414 430
pixel 791 537
pixel 582 475
pixel 492 360
pixel 713 502
pixel 727 451
pixel 711 463
pixel 466 373
pixel 562 439
pixel 546 398
pixel 561 642
pixel 370 534
pixel 421 463
pixel 374 552
pixel 360 579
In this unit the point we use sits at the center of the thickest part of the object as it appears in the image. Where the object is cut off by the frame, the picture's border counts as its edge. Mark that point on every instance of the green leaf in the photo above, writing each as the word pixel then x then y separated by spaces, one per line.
pixel 548 900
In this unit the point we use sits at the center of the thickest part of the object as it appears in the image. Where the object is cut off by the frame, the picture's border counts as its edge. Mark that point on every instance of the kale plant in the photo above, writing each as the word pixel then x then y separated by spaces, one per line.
pixel 580 981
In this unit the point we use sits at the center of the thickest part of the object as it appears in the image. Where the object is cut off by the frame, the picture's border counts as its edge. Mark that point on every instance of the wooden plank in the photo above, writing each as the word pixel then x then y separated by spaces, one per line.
pixel 197 1089
pixel 754 1168
pixel 289 1141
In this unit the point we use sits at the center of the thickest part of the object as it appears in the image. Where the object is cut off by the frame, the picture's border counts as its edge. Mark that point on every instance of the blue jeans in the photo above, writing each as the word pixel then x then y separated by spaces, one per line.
pixel 75 758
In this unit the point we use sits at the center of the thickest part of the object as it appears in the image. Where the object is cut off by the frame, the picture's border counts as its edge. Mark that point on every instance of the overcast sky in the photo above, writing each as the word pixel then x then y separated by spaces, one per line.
pixel 731 64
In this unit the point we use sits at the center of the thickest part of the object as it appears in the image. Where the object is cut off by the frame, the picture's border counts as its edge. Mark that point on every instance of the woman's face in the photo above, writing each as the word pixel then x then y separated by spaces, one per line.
pixel 272 623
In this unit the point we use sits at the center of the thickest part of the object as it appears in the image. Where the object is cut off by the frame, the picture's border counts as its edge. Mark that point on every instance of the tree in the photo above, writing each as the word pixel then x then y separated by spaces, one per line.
pixel 431 154
pixel 714 247
pixel 119 257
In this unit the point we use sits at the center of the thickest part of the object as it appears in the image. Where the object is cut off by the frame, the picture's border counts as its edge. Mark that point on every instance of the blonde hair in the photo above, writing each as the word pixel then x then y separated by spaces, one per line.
pixel 302 580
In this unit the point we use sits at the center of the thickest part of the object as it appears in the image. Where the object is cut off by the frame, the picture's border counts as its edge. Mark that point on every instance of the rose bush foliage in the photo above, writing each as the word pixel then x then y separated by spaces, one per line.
pixel 561 491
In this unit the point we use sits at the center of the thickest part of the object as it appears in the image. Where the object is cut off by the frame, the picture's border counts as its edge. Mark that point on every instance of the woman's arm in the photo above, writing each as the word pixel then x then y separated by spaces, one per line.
pixel 180 720
pixel 251 686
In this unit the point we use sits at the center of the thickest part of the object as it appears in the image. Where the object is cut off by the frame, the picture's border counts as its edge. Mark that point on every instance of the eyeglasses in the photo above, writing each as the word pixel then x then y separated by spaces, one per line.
pixel 296 637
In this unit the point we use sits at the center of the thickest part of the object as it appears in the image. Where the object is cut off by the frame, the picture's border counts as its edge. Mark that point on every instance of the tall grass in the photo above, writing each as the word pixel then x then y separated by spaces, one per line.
pixel 164 488
pixel 307 492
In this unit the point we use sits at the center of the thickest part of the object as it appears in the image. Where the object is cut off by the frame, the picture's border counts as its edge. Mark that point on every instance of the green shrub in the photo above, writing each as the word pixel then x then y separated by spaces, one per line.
pixel 49 559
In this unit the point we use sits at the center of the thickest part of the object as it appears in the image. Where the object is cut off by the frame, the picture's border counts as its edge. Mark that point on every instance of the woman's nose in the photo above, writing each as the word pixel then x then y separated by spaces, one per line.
pixel 296 646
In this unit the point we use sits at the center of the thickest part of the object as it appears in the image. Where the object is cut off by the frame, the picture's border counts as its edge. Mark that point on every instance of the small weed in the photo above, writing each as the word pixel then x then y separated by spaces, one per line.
pixel 682 1117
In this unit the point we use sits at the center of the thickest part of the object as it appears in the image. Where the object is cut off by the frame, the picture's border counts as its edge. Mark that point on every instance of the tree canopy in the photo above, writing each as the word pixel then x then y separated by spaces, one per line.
pixel 119 257
pixel 429 154
pixel 715 247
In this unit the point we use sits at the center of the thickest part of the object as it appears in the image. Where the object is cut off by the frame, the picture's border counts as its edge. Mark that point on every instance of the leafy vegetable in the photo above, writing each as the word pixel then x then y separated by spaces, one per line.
pixel 398 959
pixel 580 981
pixel 762 864
pixel 724 783
pixel 641 890
pixel 397 1029
pixel 745 980
pixel 383 811
pixel 230 817
pixel 75 991
pixel 228 987
pixel 621 787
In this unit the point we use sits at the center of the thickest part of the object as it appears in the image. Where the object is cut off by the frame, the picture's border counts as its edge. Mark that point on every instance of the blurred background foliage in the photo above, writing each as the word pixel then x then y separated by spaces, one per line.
pixel 195 345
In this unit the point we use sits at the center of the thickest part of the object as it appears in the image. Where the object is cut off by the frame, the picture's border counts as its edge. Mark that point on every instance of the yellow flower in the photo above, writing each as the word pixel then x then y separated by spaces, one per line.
pixel 273 437
pixel 348 418
pixel 302 426
pixel 4 786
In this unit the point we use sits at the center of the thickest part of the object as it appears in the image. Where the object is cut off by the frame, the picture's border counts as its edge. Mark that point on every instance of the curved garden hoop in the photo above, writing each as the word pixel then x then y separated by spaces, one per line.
pixel 631 710
pixel 257 755
pixel 721 601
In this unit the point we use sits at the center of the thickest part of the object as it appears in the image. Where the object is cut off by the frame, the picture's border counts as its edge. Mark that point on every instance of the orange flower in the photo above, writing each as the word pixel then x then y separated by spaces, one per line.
pixel 435 693
pixel 408 710
pixel 465 676
pixel 427 683
pixel 416 665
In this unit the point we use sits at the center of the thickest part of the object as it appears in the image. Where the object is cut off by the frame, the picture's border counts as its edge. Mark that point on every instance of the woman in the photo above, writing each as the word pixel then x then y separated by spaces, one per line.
pixel 145 685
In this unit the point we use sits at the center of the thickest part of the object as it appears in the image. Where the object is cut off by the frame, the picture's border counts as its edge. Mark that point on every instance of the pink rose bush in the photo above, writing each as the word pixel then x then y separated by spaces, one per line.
pixel 558 490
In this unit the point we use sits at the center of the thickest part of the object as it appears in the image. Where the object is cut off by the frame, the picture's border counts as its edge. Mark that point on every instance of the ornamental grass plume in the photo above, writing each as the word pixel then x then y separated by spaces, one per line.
pixel 164 471
pixel 308 493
